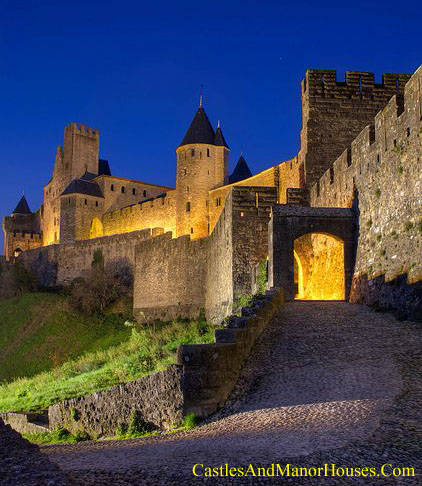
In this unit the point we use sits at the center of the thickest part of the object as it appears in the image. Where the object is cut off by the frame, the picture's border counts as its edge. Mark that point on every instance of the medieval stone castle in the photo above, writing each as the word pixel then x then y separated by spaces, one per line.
pixel 197 246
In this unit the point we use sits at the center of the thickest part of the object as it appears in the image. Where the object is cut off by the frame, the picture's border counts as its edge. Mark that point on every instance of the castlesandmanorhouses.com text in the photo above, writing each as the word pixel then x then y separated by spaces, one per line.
pixel 287 470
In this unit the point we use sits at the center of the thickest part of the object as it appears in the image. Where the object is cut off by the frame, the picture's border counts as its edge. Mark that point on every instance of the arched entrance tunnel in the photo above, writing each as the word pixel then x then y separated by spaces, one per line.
pixel 312 252
pixel 319 267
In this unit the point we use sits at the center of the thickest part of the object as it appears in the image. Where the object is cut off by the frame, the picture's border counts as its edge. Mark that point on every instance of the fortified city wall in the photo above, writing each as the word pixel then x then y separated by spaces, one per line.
pixel 383 166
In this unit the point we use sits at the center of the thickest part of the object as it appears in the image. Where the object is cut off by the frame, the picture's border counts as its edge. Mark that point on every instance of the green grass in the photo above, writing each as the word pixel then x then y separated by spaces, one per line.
pixel 39 331
pixel 58 436
pixel 123 353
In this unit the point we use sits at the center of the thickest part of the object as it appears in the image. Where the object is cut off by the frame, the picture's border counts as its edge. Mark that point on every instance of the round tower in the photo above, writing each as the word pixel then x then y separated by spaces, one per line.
pixel 202 165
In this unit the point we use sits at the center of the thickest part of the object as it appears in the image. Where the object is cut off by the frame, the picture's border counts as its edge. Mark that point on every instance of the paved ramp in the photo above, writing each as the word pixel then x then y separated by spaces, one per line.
pixel 321 380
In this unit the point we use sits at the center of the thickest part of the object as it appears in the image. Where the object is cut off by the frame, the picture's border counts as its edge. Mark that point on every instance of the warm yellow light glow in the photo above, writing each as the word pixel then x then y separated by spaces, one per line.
pixel 298 277
pixel 319 268
pixel 96 229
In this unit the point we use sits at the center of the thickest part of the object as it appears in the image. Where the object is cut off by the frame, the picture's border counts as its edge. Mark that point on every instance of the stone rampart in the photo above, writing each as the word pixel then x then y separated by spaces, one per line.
pixel 73 259
pixel 381 174
pixel 170 278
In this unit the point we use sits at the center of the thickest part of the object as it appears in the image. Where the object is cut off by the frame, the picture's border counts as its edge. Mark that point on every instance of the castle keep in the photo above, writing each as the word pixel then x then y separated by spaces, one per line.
pixel 197 246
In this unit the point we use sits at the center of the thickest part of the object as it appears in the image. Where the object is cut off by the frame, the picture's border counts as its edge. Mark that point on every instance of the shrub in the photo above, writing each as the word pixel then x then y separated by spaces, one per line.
pixel 15 279
pixel 104 284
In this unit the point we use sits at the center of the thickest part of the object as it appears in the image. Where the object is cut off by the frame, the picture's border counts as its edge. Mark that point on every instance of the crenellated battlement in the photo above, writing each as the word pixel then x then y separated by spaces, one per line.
pixel 26 235
pixel 77 128
pixel 324 83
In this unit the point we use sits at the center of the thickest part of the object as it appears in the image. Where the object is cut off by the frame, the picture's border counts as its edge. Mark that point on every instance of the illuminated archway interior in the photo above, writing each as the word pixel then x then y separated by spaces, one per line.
pixel 319 267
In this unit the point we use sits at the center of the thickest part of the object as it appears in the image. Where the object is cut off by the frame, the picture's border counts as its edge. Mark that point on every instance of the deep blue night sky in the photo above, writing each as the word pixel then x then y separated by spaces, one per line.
pixel 134 70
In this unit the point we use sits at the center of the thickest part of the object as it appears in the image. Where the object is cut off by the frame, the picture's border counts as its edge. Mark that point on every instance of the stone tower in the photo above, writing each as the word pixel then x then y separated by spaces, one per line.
pixel 334 113
pixel 202 165
pixel 21 230
pixel 80 154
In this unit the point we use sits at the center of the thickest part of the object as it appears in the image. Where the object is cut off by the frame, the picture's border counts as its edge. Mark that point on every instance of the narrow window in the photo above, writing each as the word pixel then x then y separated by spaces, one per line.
pixel 208 152
pixel 145 193
pixel 96 204
pixel 200 155
pixel 208 228
pixel 192 152
pixel 378 158
pixel 408 131
pixel 123 189
pixel 188 207
pixel 112 187
pixel 331 175
pixel 191 230
pixel 187 188
pixel 86 202
pixel 242 214
pixel 185 171
pixel 133 192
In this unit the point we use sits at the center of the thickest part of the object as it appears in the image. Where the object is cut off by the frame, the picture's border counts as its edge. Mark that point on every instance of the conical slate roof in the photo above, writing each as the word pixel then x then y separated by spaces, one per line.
pixel 22 207
pixel 220 141
pixel 200 130
pixel 241 171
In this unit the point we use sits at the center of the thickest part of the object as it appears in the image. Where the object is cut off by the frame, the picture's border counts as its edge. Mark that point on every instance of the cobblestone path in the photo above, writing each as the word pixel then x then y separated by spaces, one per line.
pixel 328 382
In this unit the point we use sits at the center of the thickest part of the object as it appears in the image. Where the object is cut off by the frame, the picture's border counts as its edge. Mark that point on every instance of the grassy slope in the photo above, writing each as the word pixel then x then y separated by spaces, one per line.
pixel 42 333
pixel 39 332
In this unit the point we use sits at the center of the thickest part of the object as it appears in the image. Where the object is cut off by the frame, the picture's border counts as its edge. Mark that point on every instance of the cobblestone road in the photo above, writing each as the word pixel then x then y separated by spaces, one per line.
pixel 328 382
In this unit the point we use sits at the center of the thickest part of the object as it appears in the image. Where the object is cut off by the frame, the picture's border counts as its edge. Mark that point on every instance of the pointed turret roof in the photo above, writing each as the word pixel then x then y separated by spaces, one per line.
pixel 220 141
pixel 22 207
pixel 200 130
pixel 241 171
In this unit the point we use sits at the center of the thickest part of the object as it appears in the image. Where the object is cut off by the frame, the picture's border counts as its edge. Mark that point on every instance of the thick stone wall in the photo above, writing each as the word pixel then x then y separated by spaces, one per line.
pixel 219 288
pixel 290 175
pixel 251 213
pixel 157 399
pixel 156 213
pixel 217 197
pixel 181 277
pixel 73 259
pixel 170 278
pixel 381 173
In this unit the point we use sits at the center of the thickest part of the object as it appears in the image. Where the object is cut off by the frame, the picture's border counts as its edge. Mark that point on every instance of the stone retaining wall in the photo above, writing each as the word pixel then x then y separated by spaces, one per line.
pixel 23 422
pixel 157 399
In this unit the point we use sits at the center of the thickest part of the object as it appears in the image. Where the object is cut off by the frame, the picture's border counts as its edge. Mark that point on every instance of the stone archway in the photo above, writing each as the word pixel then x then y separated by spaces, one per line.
pixel 289 223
